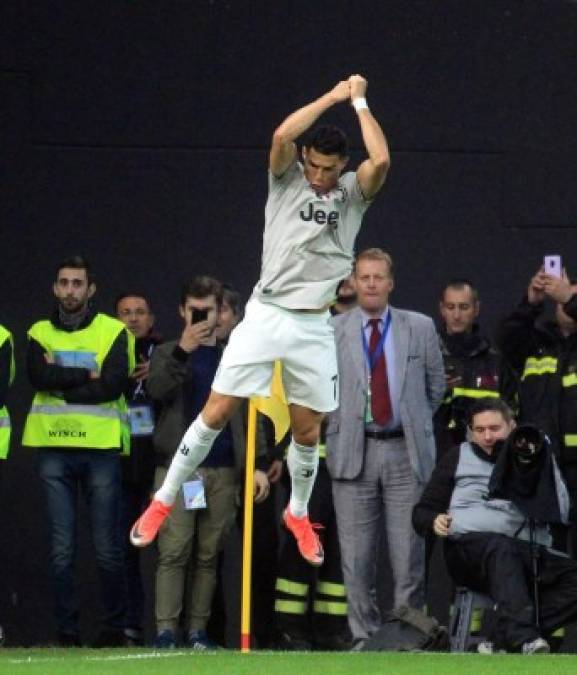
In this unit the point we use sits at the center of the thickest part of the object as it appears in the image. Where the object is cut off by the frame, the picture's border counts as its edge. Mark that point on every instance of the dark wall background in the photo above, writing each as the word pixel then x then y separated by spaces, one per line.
pixel 137 132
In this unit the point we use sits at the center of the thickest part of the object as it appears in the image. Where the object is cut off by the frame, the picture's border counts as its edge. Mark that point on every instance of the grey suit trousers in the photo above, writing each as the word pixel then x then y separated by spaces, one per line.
pixel 385 492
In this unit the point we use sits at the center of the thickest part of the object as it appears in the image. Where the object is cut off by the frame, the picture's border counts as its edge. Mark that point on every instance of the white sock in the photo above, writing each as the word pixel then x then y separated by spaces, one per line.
pixel 303 464
pixel 193 448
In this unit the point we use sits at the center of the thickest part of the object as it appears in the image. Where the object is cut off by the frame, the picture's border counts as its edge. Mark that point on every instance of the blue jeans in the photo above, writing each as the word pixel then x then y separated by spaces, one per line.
pixel 62 473
pixel 135 499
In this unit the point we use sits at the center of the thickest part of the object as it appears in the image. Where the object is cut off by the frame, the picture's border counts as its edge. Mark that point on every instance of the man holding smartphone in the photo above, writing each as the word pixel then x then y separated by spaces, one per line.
pixel 312 217
pixel 543 352
pixel 180 376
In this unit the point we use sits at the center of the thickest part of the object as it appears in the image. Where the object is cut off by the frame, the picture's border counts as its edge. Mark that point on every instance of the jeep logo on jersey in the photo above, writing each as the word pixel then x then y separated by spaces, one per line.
pixel 319 216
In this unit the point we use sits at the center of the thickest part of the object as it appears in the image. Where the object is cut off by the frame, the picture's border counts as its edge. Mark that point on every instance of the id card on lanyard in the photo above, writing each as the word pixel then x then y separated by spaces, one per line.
pixel 141 419
pixel 140 411
pixel 371 359
pixel 193 493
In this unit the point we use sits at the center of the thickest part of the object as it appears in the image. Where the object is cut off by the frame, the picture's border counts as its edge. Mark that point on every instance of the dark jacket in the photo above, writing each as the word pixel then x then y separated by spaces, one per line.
pixel 138 468
pixel 460 484
pixel 436 496
pixel 74 384
pixel 544 400
pixel 473 358
pixel 166 379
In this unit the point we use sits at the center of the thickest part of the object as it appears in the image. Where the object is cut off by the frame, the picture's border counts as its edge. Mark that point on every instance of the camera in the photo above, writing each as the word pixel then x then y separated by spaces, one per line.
pixel 526 443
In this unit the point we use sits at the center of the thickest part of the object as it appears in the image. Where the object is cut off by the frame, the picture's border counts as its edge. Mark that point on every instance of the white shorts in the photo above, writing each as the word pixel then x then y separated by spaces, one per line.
pixel 303 342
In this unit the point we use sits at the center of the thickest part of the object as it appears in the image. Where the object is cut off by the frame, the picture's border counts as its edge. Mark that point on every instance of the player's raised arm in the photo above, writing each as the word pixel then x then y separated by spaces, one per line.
pixel 372 172
pixel 283 149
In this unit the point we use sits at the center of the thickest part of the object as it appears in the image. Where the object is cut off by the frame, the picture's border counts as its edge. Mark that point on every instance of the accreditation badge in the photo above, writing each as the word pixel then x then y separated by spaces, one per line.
pixel 193 492
pixel 141 419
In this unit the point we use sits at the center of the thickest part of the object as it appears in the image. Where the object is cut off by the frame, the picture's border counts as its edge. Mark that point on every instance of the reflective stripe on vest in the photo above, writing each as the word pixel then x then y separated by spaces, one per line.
pixel 79 409
pixel 51 421
pixel 535 366
pixel 474 393
pixel 570 380
pixel 570 440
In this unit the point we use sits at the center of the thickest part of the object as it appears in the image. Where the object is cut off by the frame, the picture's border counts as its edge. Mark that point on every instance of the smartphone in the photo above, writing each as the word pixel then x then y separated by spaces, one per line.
pixel 552 264
pixel 199 315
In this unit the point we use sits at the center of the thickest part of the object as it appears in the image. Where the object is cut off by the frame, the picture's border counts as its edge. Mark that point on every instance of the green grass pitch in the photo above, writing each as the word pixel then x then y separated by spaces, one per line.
pixel 182 662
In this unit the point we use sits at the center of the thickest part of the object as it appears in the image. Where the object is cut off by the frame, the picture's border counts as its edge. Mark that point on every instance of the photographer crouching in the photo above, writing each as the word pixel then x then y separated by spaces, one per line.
pixel 492 499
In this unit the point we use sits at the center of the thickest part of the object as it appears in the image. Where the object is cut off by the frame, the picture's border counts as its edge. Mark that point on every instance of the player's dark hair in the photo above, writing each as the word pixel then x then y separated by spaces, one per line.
pixel 201 287
pixel 328 140
pixel 76 262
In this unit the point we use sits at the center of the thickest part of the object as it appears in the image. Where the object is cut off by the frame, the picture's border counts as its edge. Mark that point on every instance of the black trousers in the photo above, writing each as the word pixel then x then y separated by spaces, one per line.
pixel 293 567
pixel 501 567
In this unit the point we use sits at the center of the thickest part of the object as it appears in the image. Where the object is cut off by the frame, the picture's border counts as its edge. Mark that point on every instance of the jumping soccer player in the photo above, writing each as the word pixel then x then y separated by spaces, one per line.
pixel 312 217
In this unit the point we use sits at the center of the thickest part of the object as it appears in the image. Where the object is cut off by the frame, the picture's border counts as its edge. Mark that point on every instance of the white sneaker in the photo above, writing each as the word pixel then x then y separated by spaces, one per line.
pixel 537 646
pixel 488 647
pixel 485 647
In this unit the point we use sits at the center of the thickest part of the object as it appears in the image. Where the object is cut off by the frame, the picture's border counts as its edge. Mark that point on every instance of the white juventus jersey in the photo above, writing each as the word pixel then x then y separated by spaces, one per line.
pixel 308 239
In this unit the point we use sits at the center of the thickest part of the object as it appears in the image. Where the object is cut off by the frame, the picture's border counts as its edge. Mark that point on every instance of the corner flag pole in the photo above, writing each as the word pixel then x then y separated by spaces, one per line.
pixel 247 530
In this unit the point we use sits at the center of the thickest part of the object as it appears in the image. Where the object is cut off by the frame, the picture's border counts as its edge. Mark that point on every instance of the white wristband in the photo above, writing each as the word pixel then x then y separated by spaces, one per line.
pixel 360 103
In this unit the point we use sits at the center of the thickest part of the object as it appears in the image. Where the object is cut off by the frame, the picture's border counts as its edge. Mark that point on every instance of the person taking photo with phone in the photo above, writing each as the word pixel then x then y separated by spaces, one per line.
pixel 180 374
pixel 543 353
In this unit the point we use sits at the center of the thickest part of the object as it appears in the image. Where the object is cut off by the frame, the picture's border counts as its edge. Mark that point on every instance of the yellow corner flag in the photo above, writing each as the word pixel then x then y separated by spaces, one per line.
pixel 275 406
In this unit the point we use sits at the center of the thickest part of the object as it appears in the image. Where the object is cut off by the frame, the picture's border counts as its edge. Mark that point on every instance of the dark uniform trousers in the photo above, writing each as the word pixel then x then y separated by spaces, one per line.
pixel 501 567
pixel 312 601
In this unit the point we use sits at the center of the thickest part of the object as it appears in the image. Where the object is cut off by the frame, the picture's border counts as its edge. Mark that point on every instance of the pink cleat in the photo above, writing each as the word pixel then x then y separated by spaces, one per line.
pixel 308 540
pixel 146 528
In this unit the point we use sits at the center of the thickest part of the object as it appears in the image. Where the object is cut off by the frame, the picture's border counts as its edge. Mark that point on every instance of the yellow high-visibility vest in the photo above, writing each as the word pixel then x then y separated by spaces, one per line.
pixel 52 422
pixel 5 428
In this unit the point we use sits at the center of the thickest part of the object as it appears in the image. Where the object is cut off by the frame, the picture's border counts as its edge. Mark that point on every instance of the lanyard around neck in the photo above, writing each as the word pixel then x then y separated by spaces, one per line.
pixel 373 357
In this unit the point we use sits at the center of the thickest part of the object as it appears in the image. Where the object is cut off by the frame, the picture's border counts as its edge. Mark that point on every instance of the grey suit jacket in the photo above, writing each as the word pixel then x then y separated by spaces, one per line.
pixel 421 378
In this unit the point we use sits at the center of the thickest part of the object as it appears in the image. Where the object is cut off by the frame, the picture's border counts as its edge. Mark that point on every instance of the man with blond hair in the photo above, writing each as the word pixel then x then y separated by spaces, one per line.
pixel 380 443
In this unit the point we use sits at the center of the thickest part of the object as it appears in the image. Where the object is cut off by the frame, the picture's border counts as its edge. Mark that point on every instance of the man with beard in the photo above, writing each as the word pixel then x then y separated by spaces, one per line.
pixel 79 362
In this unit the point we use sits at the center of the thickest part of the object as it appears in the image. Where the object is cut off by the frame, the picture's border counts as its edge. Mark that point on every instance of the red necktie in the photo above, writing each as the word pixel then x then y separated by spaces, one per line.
pixel 380 398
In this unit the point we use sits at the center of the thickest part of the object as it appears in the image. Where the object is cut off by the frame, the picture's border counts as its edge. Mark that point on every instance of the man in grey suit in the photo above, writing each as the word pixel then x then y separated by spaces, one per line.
pixel 380 443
